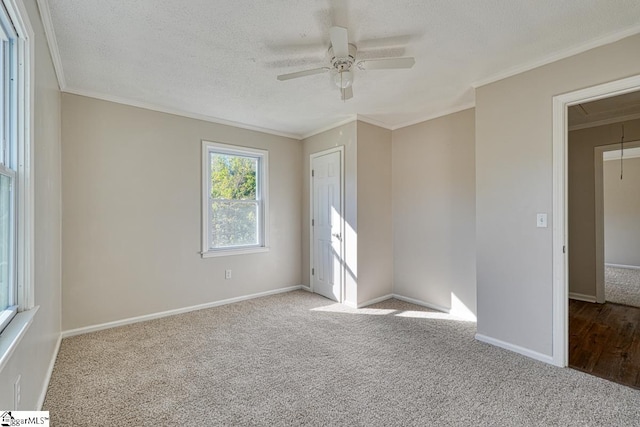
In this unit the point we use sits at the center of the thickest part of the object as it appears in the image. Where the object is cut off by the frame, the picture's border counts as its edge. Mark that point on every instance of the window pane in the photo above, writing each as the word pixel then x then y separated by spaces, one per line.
pixel 234 223
pixel 233 177
pixel 6 241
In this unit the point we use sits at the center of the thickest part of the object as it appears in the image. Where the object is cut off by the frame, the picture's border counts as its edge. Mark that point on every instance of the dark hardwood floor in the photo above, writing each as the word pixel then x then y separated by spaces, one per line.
pixel 604 340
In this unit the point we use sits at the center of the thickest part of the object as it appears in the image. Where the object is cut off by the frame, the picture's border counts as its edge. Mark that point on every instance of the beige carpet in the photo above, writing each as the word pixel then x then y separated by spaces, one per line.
pixel 299 359
pixel 622 285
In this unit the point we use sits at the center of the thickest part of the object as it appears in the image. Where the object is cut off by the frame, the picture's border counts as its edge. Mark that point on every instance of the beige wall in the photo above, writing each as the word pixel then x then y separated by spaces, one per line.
pixel 375 240
pixel 345 135
pixel 622 212
pixel 34 353
pixel 434 212
pixel 132 214
pixel 514 172
pixel 582 222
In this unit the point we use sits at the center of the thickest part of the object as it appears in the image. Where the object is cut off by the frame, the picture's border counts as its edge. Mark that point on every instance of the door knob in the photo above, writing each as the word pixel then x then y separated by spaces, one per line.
pixel 337 236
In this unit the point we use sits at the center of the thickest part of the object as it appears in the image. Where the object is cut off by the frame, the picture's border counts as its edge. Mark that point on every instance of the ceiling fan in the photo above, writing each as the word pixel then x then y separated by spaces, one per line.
pixel 342 56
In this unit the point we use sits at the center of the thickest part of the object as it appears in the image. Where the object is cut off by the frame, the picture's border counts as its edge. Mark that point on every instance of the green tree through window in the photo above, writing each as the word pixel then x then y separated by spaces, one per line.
pixel 233 177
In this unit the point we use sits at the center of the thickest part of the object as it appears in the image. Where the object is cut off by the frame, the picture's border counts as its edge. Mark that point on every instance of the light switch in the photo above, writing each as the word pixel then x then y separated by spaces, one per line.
pixel 541 220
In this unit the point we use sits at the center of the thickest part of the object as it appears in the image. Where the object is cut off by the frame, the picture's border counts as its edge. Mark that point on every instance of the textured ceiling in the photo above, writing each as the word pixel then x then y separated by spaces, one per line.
pixel 220 59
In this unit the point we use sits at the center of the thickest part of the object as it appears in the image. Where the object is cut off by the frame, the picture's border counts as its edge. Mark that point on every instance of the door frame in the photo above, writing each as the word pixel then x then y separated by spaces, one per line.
pixel 312 156
pixel 560 286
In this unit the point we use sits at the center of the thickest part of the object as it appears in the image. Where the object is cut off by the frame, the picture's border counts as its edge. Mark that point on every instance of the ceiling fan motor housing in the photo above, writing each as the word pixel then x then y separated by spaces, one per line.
pixel 343 64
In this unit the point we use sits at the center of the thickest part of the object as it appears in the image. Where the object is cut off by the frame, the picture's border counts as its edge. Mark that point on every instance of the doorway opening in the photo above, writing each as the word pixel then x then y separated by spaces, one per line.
pixel 561 103
pixel 617 215
pixel 596 209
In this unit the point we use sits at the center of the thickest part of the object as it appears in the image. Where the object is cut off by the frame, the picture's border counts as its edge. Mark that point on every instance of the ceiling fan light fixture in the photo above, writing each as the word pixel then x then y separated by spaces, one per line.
pixel 343 79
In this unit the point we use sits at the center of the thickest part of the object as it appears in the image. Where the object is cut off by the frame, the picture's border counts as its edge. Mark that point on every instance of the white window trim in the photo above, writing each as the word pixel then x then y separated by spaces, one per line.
pixel 17 328
pixel 208 146
pixel 25 200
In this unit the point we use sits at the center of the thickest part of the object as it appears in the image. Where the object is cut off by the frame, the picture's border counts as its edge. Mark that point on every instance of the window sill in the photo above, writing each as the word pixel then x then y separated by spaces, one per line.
pixel 230 252
pixel 13 334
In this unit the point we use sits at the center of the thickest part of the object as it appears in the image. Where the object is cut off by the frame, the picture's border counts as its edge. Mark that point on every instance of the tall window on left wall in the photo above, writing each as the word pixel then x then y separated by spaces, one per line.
pixel 16 173
pixel 8 170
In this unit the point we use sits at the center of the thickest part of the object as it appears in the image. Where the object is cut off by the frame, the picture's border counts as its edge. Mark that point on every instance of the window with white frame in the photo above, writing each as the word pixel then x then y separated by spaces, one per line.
pixel 234 202
pixel 14 157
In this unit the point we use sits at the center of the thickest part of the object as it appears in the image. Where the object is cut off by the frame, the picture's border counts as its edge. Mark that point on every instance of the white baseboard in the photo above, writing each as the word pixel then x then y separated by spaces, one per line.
pixel 422 303
pixel 47 377
pixel 630 267
pixel 582 297
pixel 99 327
pixel 375 300
pixel 516 349
pixel 306 288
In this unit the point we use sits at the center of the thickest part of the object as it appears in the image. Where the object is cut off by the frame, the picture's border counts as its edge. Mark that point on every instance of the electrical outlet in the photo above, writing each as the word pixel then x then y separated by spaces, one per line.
pixel 16 393
pixel 227 274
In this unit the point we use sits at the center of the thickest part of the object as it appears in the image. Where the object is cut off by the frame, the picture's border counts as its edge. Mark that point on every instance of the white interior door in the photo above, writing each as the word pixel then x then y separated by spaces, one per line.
pixel 326 245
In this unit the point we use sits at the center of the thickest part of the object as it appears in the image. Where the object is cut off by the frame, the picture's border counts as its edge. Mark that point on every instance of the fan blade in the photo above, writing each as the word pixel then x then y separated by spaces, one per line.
pixel 389 63
pixel 339 41
pixel 283 77
pixel 346 93
pixel 339 12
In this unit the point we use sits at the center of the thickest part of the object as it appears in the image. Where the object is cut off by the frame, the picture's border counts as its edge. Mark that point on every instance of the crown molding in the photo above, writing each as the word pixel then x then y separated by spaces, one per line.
pixel 439 114
pixel 45 13
pixel 178 112
pixel 566 53
pixel 47 23
pixel 373 122
pixel 349 119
